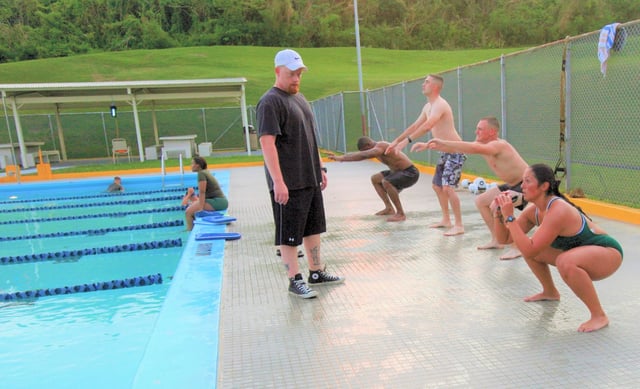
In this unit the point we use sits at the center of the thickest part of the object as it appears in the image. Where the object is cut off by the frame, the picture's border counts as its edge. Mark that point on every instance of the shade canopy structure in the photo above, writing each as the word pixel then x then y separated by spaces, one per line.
pixel 57 97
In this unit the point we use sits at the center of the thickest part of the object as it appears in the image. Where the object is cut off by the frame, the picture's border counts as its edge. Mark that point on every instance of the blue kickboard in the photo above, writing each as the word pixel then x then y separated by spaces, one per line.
pixel 218 235
pixel 216 219
pixel 201 214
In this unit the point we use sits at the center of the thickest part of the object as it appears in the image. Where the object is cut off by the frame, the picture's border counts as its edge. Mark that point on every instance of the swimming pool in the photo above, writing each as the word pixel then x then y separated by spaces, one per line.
pixel 58 235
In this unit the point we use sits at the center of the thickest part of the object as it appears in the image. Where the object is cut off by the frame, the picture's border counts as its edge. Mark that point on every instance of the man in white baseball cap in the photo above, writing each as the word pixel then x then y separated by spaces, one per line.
pixel 289 58
pixel 295 174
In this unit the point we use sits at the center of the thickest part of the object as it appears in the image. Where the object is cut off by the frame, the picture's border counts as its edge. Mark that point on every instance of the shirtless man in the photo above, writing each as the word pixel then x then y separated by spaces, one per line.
pixel 503 159
pixel 387 183
pixel 437 117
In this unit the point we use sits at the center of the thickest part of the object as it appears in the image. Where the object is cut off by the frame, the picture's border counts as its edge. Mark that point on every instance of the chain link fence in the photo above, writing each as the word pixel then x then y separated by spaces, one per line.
pixel 554 103
pixel 88 135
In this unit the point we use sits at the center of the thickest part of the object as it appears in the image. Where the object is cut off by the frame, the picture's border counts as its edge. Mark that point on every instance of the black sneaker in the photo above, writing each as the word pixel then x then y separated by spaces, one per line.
pixel 300 253
pixel 299 288
pixel 321 277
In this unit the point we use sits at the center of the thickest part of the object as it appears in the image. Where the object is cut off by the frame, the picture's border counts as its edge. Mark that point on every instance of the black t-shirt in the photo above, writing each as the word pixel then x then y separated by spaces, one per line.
pixel 290 119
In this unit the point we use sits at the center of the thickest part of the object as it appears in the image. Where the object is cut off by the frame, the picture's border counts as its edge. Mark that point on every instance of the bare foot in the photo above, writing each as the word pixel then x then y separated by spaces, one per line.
pixel 543 297
pixel 397 218
pixel 491 246
pixel 386 211
pixel 594 324
pixel 440 225
pixel 455 231
pixel 511 254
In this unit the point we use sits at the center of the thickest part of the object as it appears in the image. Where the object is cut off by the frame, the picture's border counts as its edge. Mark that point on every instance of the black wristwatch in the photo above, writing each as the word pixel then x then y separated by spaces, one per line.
pixel 510 219
pixel 324 169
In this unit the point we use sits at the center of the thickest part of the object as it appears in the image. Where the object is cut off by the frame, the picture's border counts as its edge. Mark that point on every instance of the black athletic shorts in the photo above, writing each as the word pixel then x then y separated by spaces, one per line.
pixel 302 216
pixel 402 179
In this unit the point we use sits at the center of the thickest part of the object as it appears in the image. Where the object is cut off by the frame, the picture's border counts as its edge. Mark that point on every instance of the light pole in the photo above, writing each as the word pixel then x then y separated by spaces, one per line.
pixel 362 111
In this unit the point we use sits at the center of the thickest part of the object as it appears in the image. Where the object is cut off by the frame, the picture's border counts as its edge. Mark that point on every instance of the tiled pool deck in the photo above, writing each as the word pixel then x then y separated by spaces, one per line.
pixel 418 310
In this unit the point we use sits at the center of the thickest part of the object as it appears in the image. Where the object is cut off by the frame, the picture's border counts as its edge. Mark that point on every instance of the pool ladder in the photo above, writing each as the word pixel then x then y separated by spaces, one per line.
pixel 163 170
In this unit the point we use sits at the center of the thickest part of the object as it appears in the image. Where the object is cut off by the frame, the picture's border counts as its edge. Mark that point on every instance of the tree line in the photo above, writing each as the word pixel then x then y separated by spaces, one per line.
pixel 32 29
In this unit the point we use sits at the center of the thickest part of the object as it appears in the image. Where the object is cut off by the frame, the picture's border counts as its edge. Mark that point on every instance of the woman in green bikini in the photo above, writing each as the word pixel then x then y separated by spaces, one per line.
pixel 564 238
pixel 210 196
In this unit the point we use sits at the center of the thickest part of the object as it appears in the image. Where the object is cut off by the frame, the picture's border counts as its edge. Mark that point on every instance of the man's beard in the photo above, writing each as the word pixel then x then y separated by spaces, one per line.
pixel 294 89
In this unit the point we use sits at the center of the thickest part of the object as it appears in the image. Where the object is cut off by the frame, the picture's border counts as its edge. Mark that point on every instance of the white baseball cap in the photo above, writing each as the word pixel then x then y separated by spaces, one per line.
pixel 290 59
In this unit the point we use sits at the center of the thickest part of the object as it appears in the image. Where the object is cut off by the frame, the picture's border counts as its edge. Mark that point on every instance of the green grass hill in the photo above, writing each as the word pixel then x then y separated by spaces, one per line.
pixel 331 70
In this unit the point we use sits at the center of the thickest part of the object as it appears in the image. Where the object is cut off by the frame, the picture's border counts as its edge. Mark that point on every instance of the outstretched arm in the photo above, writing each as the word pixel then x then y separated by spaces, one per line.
pixel 455 146
pixel 419 128
pixel 459 146
pixel 358 155
pixel 405 138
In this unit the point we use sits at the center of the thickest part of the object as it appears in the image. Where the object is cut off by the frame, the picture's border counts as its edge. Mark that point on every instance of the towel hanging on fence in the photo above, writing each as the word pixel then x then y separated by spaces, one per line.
pixel 607 36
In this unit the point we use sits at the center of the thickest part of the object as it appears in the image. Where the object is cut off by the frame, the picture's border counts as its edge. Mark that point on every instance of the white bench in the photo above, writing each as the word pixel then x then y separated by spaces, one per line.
pixel 49 156
pixel 174 152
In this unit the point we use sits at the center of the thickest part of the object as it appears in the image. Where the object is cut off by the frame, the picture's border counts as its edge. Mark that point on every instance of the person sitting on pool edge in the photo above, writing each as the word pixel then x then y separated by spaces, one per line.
pixel 211 197
pixel 116 185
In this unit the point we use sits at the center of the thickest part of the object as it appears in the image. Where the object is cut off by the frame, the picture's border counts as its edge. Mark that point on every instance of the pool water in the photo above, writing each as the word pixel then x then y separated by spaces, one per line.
pixel 96 338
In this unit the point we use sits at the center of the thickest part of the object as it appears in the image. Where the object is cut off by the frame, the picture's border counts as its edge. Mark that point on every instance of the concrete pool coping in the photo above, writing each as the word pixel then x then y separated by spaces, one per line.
pixel 182 350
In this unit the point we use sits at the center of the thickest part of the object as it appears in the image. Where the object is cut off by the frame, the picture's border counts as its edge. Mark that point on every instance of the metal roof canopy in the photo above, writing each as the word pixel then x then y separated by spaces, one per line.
pixel 74 95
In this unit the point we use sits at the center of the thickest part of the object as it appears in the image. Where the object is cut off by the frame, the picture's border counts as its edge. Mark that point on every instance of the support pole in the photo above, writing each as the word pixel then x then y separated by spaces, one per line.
pixel 363 117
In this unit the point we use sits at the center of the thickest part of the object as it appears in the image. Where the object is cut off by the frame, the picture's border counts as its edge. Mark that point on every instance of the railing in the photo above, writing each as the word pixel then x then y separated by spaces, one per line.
pixel 163 169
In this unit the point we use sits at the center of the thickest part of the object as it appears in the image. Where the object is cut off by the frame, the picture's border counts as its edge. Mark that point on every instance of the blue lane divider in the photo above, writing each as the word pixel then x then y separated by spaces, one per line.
pixel 75 254
pixel 96 286
pixel 99 231
pixel 119 194
pixel 87 205
pixel 97 215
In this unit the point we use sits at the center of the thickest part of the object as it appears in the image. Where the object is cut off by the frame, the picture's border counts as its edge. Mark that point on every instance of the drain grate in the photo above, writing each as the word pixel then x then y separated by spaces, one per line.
pixel 203 249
